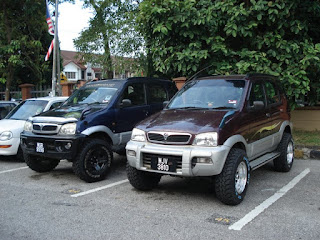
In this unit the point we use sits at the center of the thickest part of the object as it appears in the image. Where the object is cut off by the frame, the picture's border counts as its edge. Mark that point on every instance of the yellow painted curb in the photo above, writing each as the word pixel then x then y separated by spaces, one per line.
pixel 298 153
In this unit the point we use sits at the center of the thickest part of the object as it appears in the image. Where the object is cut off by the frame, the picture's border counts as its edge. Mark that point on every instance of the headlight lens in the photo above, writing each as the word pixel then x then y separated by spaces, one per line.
pixel 138 135
pixel 28 126
pixel 68 129
pixel 206 139
pixel 7 135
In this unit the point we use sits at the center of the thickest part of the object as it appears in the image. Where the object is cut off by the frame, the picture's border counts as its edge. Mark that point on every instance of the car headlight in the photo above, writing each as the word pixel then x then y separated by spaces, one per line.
pixel 206 139
pixel 138 135
pixel 28 126
pixel 7 135
pixel 68 129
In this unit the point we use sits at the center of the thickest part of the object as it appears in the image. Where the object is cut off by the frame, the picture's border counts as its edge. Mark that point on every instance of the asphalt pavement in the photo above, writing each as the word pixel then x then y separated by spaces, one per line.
pixel 58 205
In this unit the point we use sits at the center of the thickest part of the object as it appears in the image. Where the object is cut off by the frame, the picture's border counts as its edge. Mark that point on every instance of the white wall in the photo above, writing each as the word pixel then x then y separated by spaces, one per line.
pixel 71 67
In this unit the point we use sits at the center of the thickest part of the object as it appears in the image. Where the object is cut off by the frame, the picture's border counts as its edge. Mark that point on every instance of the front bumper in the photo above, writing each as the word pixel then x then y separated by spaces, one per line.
pixel 185 154
pixel 52 146
pixel 9 147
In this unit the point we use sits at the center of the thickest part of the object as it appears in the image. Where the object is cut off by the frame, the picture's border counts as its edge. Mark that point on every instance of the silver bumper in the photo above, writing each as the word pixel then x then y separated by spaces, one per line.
pixel 217 154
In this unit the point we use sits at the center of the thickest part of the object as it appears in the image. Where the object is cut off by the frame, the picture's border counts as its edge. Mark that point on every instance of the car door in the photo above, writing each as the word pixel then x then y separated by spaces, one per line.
pixel 128 115
pixel 255 121
pixel 274 109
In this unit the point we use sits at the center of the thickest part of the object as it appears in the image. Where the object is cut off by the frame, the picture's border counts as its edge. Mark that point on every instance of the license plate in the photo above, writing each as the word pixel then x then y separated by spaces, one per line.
pixel 163 164
pixel 40 147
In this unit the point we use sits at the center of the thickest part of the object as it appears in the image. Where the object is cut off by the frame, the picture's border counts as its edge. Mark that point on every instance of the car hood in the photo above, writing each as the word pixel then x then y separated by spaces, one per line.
pixel 15 126
pixel 72 111
pixel 191 121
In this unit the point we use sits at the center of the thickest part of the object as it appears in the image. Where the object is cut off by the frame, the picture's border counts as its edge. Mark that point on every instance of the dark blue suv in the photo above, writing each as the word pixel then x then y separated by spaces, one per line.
pixel 95 121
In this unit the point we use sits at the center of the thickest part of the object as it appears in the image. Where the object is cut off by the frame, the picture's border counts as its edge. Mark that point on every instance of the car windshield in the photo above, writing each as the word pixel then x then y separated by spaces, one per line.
pixel 27 109
pixel 209 94
pixel 92 95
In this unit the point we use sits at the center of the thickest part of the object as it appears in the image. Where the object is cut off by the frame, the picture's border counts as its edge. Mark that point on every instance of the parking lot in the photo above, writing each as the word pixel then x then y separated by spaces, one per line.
pixel 58 205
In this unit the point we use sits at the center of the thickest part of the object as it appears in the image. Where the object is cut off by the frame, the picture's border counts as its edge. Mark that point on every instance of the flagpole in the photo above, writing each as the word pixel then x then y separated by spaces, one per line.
pixel 58 53
pixel 54 65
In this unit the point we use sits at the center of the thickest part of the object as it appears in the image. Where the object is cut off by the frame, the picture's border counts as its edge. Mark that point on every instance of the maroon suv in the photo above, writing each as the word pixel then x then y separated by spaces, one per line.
pixel 221 126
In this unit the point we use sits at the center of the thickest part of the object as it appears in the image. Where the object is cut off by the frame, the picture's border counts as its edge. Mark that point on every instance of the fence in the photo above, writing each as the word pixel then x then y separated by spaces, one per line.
pixel 40 91
pixel 37 91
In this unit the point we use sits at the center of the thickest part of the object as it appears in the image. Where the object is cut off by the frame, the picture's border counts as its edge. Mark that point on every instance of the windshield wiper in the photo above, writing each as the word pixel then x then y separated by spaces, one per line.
pixel 182 108
pixel 223 107
pixel 68 104
pixel 94 103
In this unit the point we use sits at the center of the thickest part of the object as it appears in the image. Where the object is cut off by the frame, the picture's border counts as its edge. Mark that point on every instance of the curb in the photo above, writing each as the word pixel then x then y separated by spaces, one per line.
pixel 307 153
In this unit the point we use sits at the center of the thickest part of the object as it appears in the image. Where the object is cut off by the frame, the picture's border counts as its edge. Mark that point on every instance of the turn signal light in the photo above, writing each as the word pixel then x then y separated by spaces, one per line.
pixel 5 146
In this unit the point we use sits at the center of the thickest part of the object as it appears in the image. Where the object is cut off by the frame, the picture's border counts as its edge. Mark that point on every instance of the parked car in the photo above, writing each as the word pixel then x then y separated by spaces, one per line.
pixel 94 122
pixel 12 125
pixel 6 107
pixel 220 127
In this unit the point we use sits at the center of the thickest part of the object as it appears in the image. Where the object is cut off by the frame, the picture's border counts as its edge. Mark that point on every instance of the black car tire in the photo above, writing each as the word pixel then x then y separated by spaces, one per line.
pixel 94 161
pixel 40 164
pixel 19 155
pixel 286 148
pixel 141 180
pixel 232 183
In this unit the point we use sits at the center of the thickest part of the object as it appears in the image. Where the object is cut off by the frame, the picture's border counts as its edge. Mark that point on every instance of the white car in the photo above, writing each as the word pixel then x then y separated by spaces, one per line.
pixel 12 125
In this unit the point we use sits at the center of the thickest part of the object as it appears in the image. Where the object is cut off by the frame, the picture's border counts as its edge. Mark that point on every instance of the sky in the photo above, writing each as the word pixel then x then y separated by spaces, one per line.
pixel 72 19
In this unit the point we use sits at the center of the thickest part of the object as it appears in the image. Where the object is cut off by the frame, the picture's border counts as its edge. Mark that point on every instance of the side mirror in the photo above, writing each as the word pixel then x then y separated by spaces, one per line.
pixel 85 112
pixel 125 103
pixel 165 103
pixel 257 105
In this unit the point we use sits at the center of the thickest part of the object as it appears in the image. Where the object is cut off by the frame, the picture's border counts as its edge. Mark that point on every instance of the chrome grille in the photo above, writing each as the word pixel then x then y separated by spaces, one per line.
pixel 45 128
pixel 169 137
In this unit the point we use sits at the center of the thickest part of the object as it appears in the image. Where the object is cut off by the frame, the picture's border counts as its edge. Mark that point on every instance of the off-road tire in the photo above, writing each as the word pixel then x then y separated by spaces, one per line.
pixel 227 183
pixel 121 152
pixel 141 180
pixel 286 148
pixel 19 155
pixel 94 160
pixel 40 164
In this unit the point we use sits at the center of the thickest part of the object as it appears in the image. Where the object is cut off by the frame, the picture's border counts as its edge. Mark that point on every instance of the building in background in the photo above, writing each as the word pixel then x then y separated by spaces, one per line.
pixel 76 68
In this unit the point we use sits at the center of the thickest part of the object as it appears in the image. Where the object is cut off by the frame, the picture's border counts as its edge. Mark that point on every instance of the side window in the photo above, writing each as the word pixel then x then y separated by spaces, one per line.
pixel 135 93
pixel 11 106
pixel 157 93
pixel 256 94
pixel 272 93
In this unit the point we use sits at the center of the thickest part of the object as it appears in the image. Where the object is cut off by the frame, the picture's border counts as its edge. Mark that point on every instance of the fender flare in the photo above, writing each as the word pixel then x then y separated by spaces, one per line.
pixel 231 141
pixel 101 128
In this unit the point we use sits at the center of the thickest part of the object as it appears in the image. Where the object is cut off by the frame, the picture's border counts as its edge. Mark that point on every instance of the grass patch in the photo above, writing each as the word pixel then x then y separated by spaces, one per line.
pixel 306 138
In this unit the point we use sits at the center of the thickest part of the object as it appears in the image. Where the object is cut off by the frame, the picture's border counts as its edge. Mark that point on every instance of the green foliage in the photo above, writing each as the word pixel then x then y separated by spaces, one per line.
pixel 111 32
pixel 235 37
pixel 23 42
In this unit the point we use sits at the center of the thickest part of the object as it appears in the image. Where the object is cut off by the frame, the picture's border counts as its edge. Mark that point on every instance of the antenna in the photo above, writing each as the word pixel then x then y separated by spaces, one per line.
pixel 197 73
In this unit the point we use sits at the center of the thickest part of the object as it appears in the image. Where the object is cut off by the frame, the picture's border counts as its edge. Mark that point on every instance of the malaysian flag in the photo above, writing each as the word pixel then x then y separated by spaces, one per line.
pixel 50 31
pixel 46 58
pixel 49 20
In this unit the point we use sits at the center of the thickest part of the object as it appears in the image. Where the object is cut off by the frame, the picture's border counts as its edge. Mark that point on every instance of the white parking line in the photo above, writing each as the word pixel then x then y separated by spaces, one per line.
pixel 12 170
pixel 268 202
pixel 99 188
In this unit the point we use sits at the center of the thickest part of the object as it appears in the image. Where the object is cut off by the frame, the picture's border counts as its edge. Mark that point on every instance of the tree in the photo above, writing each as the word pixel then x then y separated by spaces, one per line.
pixel 23 42
pixel 110 32
pixel 235 37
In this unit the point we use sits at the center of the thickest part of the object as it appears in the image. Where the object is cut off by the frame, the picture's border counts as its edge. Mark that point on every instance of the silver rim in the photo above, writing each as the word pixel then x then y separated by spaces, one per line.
pixel 241 177
pixel 290 153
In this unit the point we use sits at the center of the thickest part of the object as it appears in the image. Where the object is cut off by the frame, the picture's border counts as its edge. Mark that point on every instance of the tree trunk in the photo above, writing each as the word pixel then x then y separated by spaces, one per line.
pixel 108 62
pixel 8 82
